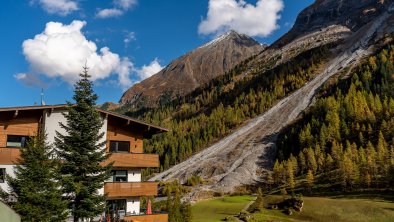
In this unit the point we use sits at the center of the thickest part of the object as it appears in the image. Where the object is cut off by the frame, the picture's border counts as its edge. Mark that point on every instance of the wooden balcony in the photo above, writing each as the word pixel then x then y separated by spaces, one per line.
pixel 147 218
pixel 9 156
pixel 133 160
pixel 116 190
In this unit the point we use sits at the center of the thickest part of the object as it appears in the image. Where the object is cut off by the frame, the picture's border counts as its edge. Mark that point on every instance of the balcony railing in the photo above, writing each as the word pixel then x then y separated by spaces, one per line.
pixel 9 156
pixel 116 190
pixel 127 160
pixel 147 218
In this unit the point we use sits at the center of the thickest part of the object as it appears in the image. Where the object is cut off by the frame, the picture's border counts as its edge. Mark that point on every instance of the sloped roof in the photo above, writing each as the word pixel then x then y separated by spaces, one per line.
pixel 152 128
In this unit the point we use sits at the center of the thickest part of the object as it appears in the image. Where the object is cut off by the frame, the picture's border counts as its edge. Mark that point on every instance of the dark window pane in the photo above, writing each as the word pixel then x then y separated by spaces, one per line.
pixel 17 141
pixel 120 175
pixel 119 146
pixel 112 146
pixel 2 175
pixel 123 146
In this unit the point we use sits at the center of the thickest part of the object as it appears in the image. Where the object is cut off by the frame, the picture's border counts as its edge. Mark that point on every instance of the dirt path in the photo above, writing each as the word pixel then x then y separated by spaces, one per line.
pixel 240 157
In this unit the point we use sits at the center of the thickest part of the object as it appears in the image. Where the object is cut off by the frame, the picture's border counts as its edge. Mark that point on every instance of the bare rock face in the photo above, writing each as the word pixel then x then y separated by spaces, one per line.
pixel 190 71
pixel 352 14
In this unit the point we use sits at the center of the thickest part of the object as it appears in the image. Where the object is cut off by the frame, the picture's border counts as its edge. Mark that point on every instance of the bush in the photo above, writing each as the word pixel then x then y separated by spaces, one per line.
pixel 194 180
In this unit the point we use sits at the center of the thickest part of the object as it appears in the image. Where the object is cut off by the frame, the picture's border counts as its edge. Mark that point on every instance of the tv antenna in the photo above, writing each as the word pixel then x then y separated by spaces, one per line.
pixel 42 97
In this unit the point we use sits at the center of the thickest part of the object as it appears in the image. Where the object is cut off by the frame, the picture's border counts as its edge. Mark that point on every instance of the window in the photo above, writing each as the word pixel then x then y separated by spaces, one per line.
pixel 119 146
pixel 2 175
pixel 116 208
pixel 119 176
pixel 17 141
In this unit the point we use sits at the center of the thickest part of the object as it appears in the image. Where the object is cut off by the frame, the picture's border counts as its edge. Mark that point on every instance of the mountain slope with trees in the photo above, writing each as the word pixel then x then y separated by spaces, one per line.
pixel 347 138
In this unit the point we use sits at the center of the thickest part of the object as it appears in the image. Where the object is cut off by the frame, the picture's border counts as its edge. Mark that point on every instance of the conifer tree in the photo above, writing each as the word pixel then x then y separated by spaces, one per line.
pixel 82 150
pixel 290 175
pixel 37 193
pixel 309 180
pixel 186 210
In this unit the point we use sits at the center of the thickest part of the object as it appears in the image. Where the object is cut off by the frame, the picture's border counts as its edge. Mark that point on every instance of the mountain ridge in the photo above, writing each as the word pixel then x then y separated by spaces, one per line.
pixel 191 70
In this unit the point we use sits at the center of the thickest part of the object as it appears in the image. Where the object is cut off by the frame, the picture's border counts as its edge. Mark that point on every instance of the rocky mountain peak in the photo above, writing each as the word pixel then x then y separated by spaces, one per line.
pixel 231 36
pixel 352 14
pixel 189 71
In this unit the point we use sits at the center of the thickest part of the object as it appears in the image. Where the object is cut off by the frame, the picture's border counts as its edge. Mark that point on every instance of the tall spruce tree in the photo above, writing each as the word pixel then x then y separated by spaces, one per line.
pixel 82 150
pixel 37 193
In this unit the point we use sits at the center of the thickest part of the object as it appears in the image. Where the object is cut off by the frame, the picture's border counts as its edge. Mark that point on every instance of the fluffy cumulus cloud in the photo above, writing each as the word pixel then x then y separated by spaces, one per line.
pixel 120 7
pixel 254 20
pixel 149 70
pixel 62 50
pixel 61 7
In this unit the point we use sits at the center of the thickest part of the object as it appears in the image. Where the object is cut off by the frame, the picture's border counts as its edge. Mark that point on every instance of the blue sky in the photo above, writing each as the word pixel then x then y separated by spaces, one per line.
pixel 46 42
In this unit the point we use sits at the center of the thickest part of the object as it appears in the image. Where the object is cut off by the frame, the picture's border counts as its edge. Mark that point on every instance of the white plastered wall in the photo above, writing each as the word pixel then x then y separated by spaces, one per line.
pixel 134 175
pixel 9 169
pixel 52 120
pixel 133 205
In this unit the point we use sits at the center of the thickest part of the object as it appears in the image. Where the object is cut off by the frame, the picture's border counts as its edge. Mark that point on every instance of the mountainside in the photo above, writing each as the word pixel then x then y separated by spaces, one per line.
pixel 352 14
pixel 190 71
pixel 226 131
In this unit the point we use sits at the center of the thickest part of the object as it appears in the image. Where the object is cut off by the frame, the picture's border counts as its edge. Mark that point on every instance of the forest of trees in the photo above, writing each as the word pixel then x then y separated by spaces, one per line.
pixel 212 111
pixel 346 139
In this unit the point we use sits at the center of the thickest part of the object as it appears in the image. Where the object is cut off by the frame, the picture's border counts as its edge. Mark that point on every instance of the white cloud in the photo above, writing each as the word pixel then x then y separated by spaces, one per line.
pixel 61 7
pixel 109 12
pixel 148 70
pixel 130 36
pixel 124 69
pixel 254 20
pixel 125 4
pixel 120 7
pixel 62 50
pixel 30 80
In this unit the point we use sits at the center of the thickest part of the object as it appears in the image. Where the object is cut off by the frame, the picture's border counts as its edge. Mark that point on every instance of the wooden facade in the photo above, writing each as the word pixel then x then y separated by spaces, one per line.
pixel 117 190
pixel 133 160
pixel 147 218
pixel 9 156
pixel 119 131
pixel 19 123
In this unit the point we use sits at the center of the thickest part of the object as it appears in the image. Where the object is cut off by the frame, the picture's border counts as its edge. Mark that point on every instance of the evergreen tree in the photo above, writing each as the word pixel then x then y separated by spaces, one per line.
pixel 309 180
pixel 37 193
pixel 186 210
pixel 290 175
pixel 82 150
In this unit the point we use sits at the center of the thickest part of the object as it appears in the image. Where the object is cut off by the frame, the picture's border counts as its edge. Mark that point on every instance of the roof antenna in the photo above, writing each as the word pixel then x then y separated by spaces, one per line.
pixel 42 97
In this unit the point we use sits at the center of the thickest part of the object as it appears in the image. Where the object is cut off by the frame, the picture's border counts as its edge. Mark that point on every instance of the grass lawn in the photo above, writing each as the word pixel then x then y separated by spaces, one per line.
pixel 217 209
pixel 349 208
